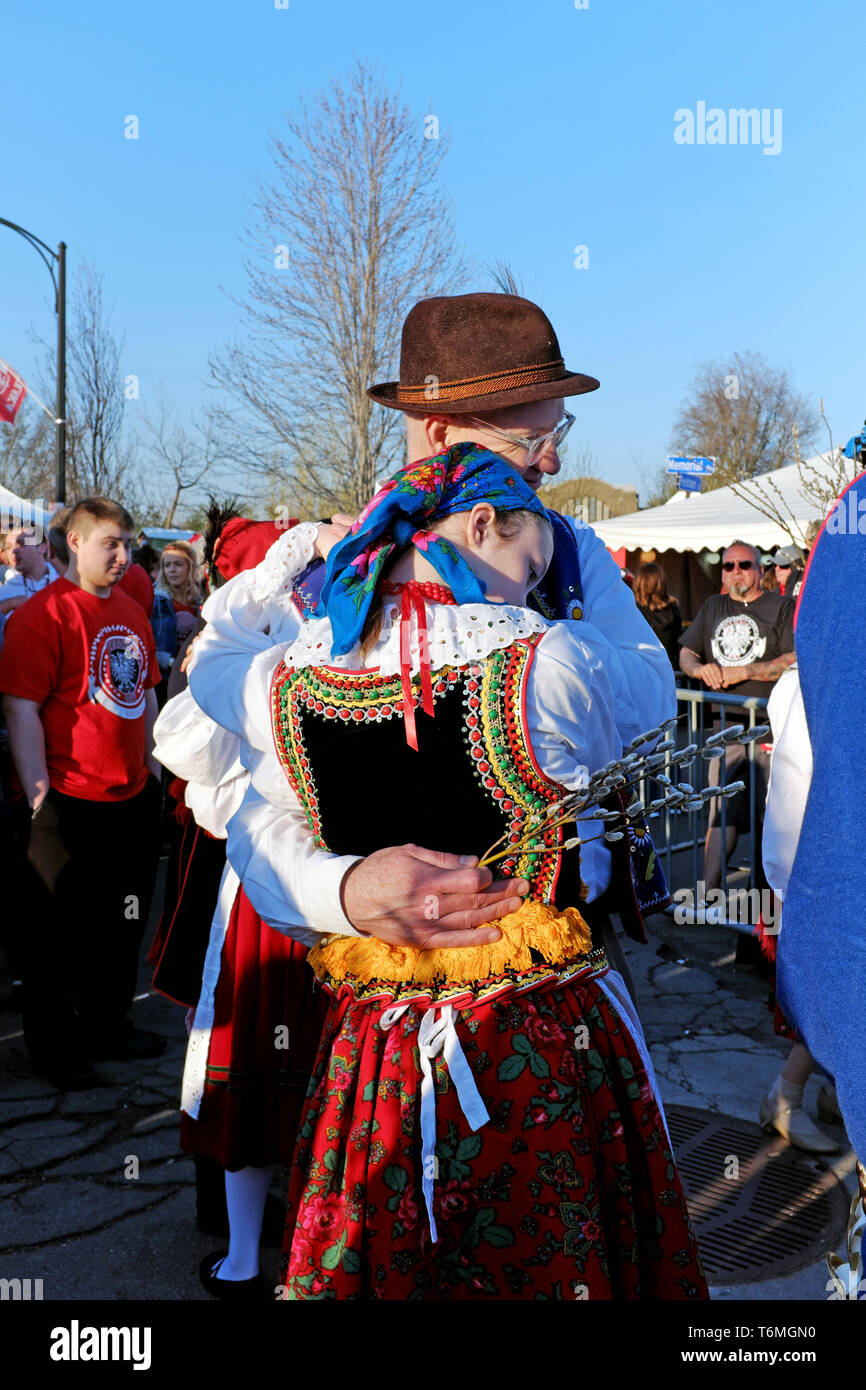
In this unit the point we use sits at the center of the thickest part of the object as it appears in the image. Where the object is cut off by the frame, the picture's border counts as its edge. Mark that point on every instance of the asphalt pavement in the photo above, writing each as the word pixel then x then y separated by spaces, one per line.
pixel 98 1202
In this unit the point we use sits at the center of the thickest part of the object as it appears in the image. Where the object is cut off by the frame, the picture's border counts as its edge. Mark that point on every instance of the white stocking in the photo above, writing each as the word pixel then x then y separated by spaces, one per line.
pixel 246 1191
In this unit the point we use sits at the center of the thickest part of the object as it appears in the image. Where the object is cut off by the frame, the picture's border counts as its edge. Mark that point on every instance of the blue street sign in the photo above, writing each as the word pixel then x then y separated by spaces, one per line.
pixel 683 463
pixel 689 482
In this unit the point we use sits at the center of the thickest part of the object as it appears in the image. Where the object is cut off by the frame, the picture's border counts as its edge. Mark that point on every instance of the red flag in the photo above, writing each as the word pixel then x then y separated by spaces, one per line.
pixel 12 392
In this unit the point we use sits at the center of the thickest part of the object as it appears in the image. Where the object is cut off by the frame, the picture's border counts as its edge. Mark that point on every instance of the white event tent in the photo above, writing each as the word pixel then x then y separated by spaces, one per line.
pixel 711 520
pixel 687 534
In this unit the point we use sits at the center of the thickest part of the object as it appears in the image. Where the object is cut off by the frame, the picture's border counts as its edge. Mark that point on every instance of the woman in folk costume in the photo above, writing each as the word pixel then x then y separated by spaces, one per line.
pixel 482 1122
pixel 257 1019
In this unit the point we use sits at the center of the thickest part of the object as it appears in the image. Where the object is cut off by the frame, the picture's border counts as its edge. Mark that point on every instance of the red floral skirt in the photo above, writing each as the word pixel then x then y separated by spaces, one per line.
pixel 268 1015
pixel 569 1191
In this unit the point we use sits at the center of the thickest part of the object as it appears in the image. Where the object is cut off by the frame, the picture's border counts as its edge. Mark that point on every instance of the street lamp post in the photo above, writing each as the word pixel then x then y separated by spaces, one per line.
pixel 59 283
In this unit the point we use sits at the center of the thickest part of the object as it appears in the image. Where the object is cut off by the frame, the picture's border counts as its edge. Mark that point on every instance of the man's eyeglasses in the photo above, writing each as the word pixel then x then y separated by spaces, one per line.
pixel 738 565
pixel 534 444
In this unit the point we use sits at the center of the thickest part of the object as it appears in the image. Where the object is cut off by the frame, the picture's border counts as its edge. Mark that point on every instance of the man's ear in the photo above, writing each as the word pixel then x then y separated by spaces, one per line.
pixel 436 427
pixel 73 540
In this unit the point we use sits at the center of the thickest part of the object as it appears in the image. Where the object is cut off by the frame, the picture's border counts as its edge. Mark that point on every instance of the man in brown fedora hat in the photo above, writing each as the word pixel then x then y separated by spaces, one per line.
pixel 483 367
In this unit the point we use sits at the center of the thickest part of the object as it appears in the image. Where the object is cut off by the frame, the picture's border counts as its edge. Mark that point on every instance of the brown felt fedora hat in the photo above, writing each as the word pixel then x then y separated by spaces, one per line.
pixel 468 353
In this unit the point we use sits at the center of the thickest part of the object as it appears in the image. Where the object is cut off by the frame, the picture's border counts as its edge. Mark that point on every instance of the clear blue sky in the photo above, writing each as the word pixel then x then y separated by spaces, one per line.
pixel 562 125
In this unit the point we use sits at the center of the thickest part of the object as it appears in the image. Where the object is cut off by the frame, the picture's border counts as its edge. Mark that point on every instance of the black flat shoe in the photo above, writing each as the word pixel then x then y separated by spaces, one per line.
pixel 74 1075
pixel 252 1290
pixel 134 1044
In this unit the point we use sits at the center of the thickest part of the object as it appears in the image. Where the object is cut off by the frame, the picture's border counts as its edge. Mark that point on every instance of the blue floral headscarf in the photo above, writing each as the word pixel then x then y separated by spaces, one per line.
pixel 453 481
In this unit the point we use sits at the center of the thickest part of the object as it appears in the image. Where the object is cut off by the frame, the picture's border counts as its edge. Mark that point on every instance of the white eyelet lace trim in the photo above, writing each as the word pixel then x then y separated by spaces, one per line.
pixel 285 560
pixel 456 636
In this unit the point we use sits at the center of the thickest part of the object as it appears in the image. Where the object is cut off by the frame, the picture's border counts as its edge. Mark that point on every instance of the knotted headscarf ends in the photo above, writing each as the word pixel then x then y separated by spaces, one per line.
pixel 415 596
pixel 393 520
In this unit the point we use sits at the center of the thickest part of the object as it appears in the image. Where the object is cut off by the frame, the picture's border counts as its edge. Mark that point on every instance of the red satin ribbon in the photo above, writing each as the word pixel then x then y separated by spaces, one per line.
pixel 413 595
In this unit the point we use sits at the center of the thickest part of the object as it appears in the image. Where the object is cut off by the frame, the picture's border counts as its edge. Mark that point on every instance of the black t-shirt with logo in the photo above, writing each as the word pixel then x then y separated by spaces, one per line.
pixel 733 633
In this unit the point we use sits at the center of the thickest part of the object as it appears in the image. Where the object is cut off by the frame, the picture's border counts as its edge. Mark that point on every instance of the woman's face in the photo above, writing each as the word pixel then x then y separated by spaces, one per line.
pixel 509 568
pixel 175 568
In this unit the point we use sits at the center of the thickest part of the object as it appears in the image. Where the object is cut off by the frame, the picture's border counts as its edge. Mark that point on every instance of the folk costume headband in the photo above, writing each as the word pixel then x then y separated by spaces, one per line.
pixel 450 482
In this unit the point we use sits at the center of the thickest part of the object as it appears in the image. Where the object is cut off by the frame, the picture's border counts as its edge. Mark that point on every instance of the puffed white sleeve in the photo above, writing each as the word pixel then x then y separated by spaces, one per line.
pixel 641 676
pixel 193 746
pixel 570 711
pixel 247 615
pixel 292 882
pixel 206 756
pixel 790 779
pixel 570 703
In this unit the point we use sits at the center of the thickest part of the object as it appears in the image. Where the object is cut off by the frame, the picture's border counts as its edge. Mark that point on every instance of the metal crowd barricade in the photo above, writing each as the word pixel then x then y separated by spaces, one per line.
pixel 730 708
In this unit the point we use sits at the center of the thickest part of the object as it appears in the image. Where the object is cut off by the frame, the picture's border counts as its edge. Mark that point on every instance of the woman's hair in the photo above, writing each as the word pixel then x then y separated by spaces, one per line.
pixel 507 524
pixel 190 591
pixel 57 534
pixel 651 587
pixel 147 556
pixel 769 582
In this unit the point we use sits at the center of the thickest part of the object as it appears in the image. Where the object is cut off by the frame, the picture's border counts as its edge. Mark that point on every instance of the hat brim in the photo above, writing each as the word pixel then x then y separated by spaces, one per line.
pixel 571 384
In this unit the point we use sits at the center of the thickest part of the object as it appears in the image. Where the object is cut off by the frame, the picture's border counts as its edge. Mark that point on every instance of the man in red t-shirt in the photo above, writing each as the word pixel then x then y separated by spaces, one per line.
pixel 77 670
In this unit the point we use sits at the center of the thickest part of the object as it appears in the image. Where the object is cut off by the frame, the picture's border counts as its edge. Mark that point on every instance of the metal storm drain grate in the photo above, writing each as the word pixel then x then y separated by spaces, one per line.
pixel 760 1208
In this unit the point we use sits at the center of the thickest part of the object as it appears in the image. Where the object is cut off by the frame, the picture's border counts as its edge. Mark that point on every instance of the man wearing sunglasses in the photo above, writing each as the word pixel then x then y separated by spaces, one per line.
pixel 741 639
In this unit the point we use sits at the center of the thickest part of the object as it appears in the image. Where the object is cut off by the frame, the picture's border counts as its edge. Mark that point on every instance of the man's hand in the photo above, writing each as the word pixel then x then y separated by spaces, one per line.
pixel 329 535
pixel 707 671
pixel 734 675
pixel 711 675
pixel 425 898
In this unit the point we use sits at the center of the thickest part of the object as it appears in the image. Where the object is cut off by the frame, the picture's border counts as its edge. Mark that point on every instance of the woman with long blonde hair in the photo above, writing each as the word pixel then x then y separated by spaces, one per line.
pixel 178 565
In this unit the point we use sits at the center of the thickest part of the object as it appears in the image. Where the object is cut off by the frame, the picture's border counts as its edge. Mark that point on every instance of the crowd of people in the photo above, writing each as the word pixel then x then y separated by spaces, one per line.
pixel 396 953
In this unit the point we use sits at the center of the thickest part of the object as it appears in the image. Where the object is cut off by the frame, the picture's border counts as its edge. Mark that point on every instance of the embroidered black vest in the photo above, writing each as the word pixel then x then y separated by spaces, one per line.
pixel 638 884
pixel 473 781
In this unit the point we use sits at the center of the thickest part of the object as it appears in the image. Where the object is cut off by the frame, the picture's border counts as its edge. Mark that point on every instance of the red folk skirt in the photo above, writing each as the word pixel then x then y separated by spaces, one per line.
pixel 570 1191
pixel 268 1015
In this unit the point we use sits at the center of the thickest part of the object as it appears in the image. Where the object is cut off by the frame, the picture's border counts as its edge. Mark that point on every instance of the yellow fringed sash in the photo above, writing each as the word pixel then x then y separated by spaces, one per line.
pixel 558 937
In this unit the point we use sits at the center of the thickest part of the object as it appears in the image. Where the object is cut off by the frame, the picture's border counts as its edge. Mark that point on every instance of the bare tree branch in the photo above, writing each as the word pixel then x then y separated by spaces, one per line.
pixel 99 454
pixel 354 200
pixel 820 481
pixel 742 412
pixel 180 459
pixel 27 454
